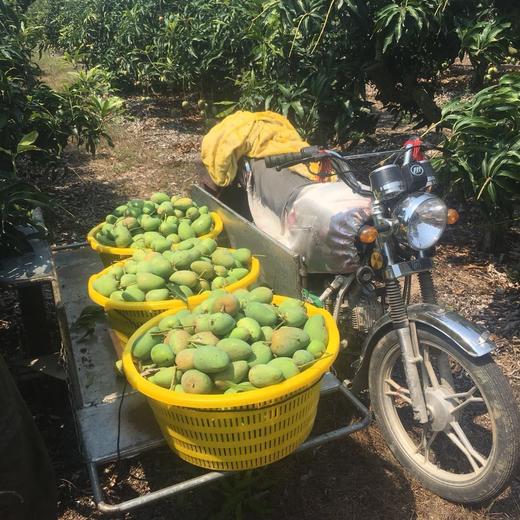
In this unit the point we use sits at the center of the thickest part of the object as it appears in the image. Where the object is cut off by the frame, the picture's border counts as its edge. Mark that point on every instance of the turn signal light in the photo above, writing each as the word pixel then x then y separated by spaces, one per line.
pixel 453 216
pixel 367 234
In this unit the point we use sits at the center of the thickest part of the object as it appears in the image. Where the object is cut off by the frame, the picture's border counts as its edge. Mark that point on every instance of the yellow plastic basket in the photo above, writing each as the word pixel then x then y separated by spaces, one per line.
pixel 131 315
pixel 109 255
pixel 237 431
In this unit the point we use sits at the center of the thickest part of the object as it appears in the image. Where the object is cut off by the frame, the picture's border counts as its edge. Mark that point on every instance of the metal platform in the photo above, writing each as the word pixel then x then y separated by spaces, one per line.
pixel 97 391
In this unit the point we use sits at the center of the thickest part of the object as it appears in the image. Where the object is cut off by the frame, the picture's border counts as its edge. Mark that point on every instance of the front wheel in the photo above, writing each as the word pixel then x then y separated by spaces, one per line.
pixel 469 449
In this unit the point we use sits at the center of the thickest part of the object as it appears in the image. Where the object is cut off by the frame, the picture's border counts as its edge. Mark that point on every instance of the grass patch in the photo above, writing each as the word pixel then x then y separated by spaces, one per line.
pixel 56 72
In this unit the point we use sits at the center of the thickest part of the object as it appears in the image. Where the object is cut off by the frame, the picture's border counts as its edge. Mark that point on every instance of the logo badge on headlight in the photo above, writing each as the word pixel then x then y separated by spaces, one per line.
pixel 417 170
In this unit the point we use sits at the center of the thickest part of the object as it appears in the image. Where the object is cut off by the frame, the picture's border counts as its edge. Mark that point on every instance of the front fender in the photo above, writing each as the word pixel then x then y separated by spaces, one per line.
pixel 470 338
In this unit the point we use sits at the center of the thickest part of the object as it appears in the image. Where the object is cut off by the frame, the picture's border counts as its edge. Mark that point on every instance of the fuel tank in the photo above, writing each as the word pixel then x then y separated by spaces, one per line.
pixel 319 221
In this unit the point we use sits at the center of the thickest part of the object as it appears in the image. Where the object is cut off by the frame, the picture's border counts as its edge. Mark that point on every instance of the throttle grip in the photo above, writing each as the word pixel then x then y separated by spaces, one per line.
pixel 289 159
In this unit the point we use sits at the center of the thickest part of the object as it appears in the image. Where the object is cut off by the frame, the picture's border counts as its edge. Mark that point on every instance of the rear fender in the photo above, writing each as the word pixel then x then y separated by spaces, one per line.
pixel 464 334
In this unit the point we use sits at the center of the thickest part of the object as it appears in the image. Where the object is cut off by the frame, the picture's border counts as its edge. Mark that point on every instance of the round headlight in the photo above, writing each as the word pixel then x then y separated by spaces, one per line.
pixel 422 220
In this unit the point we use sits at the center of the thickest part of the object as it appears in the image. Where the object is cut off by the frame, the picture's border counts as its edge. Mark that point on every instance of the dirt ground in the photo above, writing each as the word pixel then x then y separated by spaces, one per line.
pixel 157 147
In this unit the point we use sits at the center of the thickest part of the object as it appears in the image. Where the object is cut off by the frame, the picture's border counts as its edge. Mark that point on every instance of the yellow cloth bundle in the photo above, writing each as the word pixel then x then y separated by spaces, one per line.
pixel 251 134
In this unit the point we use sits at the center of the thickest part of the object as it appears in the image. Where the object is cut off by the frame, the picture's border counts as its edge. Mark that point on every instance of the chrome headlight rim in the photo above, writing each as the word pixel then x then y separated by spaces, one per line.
pixel 408 214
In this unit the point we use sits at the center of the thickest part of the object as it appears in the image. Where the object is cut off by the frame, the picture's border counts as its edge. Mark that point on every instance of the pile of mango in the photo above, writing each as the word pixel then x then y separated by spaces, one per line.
pixel 196 265
pixel 157 224
pixel 232 342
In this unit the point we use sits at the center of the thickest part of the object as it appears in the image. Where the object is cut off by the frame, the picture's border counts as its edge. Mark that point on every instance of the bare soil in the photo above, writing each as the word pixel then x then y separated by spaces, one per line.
pixel 157 147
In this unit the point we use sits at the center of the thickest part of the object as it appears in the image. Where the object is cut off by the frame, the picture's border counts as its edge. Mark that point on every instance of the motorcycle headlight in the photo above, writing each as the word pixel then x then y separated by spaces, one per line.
pixel 422 220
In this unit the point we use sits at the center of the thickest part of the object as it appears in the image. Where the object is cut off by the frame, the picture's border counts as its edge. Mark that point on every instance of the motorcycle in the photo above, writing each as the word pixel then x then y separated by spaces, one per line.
pixel 443 406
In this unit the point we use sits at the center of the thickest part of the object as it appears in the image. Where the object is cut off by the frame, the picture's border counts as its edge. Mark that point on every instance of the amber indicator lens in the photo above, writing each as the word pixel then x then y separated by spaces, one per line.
pixel 453 216
pixel 367 234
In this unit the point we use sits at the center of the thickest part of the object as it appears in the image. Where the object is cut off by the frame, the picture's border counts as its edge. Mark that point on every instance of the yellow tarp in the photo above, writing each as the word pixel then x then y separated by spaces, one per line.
pixel 252 134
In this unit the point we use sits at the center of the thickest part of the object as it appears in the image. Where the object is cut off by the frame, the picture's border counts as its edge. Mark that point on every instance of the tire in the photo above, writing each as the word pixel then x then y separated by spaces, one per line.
pixel 476 485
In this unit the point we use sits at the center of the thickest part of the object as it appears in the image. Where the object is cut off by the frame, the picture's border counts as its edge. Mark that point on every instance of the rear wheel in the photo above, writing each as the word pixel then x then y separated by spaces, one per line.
pixel 470 448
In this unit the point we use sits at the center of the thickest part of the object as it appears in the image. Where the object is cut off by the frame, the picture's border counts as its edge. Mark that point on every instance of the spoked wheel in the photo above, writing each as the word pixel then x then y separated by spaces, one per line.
pixel 470 448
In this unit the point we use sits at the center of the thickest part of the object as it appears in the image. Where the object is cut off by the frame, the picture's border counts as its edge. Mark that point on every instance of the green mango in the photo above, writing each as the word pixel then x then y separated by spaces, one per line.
pixel 165 377
pixel 181 259
pixel 285 341
pixel 210 359
pixel 149 223
pixel 204 338
pixel 207 246
pixel 240 333
pixel 185 231
pixel 222 324
pixel 178 213
pixel 226 303
pixel 202 225
pixel 234 373
pixel 290 303
pixel 203 269
pixel 223 257
pixel 157 295
pixel 105 285
pixel 158 197
pixel 184 359
pixel 261 376
pixel 162 355
pixel 179 389
pixel 116 271
pixel 188 323
pixel 187 291
pixel 149 208
pixel 110 219
pixel 189 243
pixel 130 223
pixel 196 382
pixel 243 255
pixel 138 256
pixel 202 321
pixel 178 339
pixel 168 227
pixel 161 267
pixel 161 244
pixel 133 212
pixel 165 208
pixel 148 282
pixel 138 244
pixel 150 237
pixel 286 365
pixel 238 273
pixel 294 317
pixel 120 210
pixel 316 329
pixel 303 358
pixel 184 277
pixel 235 348
pixel 204 285
pixel 117 296
pixel 133 294
pixel 192 213
pixel 261 294
pixel 143 345
pixel 136 203
pixel 252 326
pixel 219 282
pixel 316 348
pixel 267 333
pixel 183 204
pixel 260 354
pixel 173 238
pixel 263 313
pixel 168 323
pixel 220 270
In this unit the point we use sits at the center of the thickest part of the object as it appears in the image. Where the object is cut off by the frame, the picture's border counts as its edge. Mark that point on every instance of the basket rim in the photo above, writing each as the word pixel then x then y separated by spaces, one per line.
pixel 218 226
pixel 201 401
pixel 107 303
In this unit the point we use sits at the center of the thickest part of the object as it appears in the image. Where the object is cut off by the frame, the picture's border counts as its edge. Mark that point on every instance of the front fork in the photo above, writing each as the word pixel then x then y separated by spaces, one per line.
pixel 409 344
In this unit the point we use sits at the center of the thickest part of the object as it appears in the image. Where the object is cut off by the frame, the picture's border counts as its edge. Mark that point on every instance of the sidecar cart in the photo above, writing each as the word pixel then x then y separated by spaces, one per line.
pixel 113 421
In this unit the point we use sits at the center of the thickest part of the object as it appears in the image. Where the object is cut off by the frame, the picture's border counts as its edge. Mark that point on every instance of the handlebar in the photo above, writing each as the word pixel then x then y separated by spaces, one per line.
pixel 290 159
pixel 315 154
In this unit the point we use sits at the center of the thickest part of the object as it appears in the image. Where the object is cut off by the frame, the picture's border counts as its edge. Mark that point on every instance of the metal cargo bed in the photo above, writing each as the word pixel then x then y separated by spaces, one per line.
pixel 106 408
